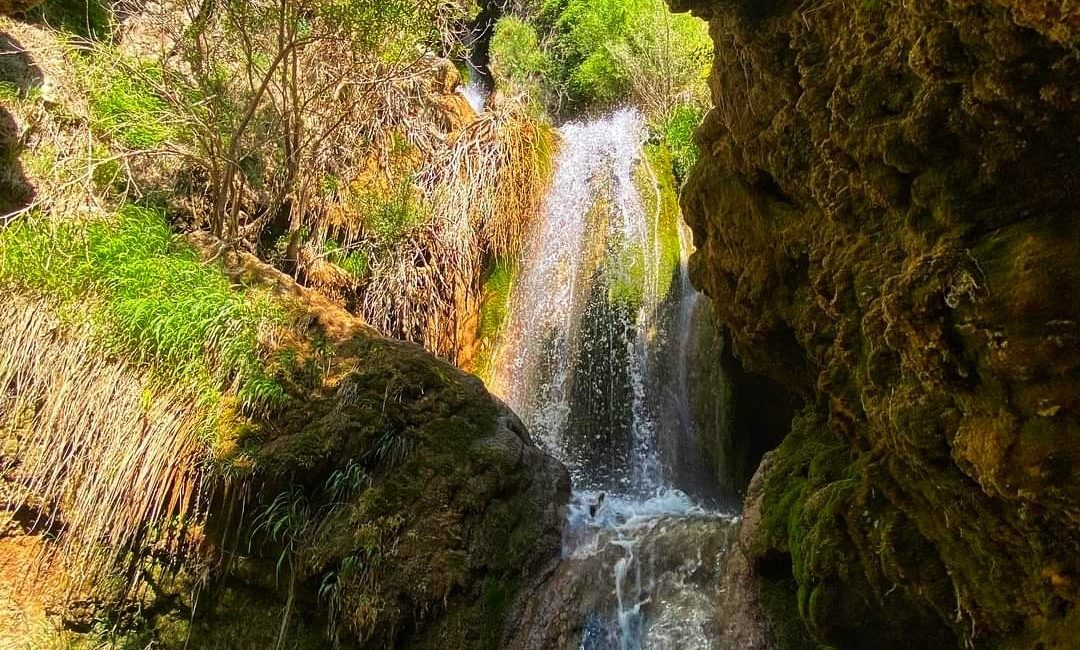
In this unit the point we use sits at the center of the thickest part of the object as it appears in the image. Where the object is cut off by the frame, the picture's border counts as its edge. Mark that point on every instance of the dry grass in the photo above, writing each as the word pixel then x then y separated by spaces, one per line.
pixel 110 464
pixel 484 185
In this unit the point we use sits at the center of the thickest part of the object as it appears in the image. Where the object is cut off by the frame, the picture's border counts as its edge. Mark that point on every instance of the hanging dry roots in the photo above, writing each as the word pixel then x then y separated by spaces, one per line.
pixel 108 462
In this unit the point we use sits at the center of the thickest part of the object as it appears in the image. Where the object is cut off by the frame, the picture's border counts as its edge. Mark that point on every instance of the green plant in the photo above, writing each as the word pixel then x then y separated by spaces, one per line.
pixel 9 92
pixel 150 298
pixel 599 53
pixel 678 134
pixel 517 59
pixel 89 19
pixel 123 103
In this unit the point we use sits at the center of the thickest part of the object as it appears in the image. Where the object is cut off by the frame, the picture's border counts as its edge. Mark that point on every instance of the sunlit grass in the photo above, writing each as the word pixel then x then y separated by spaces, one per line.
pixel 150 298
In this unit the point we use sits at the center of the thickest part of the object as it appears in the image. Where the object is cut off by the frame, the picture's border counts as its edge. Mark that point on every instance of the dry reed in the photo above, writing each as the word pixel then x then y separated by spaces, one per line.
pixel 114 462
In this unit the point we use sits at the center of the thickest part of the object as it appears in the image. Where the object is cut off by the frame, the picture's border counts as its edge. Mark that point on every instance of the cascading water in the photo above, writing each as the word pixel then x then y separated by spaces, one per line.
pixel 593 360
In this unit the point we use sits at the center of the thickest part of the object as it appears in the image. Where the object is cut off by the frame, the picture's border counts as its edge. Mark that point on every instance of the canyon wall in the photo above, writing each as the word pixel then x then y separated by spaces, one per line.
pixel 886 221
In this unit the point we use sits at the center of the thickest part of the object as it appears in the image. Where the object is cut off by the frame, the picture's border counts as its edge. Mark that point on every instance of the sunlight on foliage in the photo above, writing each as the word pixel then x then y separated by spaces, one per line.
pixel 152 300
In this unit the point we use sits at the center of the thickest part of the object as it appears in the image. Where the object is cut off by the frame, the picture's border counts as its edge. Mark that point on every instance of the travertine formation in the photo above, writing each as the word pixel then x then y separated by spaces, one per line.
pixel 887 226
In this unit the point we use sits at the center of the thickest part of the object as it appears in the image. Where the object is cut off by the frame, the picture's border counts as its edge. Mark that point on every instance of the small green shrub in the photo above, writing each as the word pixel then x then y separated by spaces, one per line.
pixel 356 262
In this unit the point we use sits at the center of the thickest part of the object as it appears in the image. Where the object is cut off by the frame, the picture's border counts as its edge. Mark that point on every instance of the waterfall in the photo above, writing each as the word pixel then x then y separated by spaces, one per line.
pixel 594 360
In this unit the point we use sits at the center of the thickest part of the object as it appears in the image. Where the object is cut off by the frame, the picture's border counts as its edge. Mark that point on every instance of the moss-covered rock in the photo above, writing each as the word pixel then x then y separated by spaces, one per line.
pixel 383 499
pixel 885 226
pixel 393 496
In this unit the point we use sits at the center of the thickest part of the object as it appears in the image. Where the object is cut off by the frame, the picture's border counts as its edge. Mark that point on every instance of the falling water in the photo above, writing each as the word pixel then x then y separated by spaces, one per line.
pixel 593 358
pixel 474 91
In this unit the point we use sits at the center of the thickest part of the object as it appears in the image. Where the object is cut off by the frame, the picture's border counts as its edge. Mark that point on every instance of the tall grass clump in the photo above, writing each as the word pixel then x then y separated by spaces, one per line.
pixel 123 102
pixel 112 462
pixel 485 188
pixel 116 346
pixel 151 300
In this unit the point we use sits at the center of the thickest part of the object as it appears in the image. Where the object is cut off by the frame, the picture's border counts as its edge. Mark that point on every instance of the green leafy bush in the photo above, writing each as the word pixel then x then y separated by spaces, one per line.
pixel 517 60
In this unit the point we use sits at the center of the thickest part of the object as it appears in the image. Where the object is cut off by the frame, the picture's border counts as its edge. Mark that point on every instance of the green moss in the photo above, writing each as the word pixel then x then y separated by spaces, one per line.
pixel 496 297
pixel 664 229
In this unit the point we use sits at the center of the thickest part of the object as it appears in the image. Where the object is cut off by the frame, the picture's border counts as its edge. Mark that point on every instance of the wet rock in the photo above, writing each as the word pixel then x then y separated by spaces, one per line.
pixel 593 596
pixel 885 230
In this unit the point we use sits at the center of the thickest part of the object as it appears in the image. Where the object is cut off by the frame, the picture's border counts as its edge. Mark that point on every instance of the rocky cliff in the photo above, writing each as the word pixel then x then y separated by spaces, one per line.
pixel 886 223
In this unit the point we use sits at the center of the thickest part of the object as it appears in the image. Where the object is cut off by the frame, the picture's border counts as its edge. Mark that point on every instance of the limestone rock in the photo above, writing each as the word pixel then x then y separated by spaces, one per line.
pixel 886 227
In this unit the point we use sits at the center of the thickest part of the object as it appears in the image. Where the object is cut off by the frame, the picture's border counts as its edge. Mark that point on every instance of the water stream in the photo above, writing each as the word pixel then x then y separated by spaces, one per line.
pixel 594 360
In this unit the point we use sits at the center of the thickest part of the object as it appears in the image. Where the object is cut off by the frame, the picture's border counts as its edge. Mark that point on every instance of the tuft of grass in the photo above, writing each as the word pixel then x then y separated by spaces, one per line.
pixel 9 92
pixel 89 19
pixel 123 104
pixel 152 301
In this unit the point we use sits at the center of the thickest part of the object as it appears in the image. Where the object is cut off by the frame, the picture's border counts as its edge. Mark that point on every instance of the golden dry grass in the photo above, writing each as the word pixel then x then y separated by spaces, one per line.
pixel 109 462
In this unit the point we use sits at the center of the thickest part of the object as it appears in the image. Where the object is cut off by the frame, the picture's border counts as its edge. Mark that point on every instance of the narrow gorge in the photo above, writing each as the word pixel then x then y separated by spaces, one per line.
pixel 540 324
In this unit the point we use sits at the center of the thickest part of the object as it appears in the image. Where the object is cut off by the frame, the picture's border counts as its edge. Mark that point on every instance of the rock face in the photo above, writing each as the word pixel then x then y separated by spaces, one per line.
pixel 415 503
pixel 887 228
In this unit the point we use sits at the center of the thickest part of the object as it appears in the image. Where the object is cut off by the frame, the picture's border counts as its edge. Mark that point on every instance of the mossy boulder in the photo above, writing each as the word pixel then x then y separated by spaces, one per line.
pixel 885 226
pixel 392 495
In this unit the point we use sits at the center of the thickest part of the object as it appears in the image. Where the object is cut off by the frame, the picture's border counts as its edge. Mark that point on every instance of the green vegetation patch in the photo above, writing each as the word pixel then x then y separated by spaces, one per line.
pixel 584 55
pixel 678 134
pixel 149 297
pixel 88 19
pixel 517 59
pixel 123 101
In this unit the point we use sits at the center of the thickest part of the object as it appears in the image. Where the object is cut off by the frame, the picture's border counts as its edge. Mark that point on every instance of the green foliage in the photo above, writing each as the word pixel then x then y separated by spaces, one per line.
pixel 517 59
pixel 90 19
pixel 356 261
pixel 9 92
pixel 123 104
pixel 388 216
pixel 150 298
pixel 678 134
pixel 598 53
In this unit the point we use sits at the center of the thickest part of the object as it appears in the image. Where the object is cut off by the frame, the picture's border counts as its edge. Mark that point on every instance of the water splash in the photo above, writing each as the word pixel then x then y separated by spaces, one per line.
pixel 475 93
